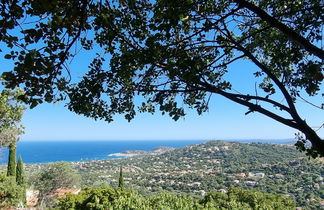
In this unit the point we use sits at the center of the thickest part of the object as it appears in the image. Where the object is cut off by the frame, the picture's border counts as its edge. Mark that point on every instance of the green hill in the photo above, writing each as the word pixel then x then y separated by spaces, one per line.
pixel 214 166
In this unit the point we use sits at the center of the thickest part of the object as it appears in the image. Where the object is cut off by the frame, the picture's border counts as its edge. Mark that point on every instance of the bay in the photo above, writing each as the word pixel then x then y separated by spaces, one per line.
pixel 52 151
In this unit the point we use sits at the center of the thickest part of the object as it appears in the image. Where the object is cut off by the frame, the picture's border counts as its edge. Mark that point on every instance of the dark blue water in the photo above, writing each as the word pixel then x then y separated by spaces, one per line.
pixel 51 151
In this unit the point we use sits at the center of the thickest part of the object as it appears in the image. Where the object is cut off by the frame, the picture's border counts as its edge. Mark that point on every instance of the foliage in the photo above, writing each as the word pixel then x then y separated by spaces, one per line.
pixel 11 170
pixel 11 111
pixel 215 165
pixel 103 198
pixel 20 173
pixel 172 201
pixel 20 178
pixel 121 179
pixel 54 176
pixel 11 194
pixel 109 198
pixel 167 53
pixel 246 199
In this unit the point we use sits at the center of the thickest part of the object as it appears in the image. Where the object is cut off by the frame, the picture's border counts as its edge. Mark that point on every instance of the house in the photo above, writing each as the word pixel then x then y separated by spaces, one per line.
pixel 279 176
pixel 222 191
pixel 256 175
pixel 250 183
pixel 316 186
pixel 196 184
pixel 240 175
pixel 225 147
pixel 322 204
pixel 200 192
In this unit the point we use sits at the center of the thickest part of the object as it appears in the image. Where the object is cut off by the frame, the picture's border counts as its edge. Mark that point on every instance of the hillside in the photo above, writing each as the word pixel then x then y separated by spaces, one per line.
pixel 214 165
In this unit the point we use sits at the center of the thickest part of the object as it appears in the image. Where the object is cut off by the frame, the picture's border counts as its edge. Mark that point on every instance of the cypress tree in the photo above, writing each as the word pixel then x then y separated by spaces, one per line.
pixel 121 179
pixel 11 170
pixel 20 179
pixel 20 175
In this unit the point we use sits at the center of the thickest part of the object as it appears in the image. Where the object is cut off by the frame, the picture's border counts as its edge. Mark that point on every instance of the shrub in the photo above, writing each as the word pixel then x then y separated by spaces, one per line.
pixel 54 176
pixel 103 198
pixel 246 199
pixel 11 194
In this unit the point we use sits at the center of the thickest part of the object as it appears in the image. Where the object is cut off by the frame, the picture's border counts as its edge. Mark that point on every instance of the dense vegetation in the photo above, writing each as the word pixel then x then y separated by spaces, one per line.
pixel 213 166
pixel 11 194
pixel 53 177
pixel 109 198
pixel 11 112
pixel 149 55
pixel 12 184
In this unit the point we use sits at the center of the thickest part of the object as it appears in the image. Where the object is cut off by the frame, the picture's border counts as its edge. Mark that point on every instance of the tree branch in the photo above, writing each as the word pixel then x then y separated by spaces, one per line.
pixel 265 69
pixel 274 103
pixel 251 106
pixel 317 142
pixel 283 28
pixel 82 21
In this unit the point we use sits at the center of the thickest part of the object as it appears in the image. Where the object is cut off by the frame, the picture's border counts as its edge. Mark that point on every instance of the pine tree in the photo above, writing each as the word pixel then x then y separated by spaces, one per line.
pixel 20 175
pixel 121 179
pixel 11 170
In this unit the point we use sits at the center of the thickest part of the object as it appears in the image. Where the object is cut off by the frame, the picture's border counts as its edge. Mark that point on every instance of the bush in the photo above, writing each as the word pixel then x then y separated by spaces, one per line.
pixel 246 199
pixel 11 194
pixel 173 201
pixel 54 176
pixel 103 198
pixel 109 198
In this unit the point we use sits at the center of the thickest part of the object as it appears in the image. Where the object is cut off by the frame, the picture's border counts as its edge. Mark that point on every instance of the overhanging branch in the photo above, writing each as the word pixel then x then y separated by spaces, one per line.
pixel 253 107
pixel 283 28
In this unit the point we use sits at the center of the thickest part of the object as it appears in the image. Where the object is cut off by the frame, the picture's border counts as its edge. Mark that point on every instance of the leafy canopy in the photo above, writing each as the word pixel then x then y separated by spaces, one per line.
pixel 54 176
pixel 109 198
pixel 167 53
pixel 11 111
pixel 12 194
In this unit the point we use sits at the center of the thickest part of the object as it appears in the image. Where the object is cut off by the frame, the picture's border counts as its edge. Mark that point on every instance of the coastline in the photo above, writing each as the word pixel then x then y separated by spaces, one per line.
pixel 132 153
pixel 121 155
pixel 45 152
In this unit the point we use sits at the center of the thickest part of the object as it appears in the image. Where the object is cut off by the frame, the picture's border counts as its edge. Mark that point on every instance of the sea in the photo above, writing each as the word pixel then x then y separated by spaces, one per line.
pixel 53 151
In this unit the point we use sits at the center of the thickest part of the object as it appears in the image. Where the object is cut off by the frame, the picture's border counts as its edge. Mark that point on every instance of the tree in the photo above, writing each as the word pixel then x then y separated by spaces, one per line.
pixel 20 174
pixel 11 169
pixel 20 179
pixel 11 111
pixel 168 51
pixel 9 136
pixel 55 176
pixel 121 179
pixel 246 199
pixel 109 198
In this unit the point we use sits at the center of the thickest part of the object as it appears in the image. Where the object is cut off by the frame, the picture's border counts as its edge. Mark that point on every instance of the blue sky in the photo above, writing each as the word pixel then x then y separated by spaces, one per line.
pixel 224 120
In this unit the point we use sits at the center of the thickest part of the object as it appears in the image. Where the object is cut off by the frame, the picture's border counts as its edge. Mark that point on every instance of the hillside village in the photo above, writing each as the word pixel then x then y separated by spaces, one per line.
pixel 214 165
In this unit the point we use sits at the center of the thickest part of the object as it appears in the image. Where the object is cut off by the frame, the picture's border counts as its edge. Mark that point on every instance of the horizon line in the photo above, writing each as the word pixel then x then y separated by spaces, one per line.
pixel 212 139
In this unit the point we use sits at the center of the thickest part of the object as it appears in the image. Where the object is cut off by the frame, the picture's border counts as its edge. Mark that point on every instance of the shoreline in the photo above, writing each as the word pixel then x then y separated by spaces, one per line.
pixel 83 156
pixel 132 153
pixel 121 155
